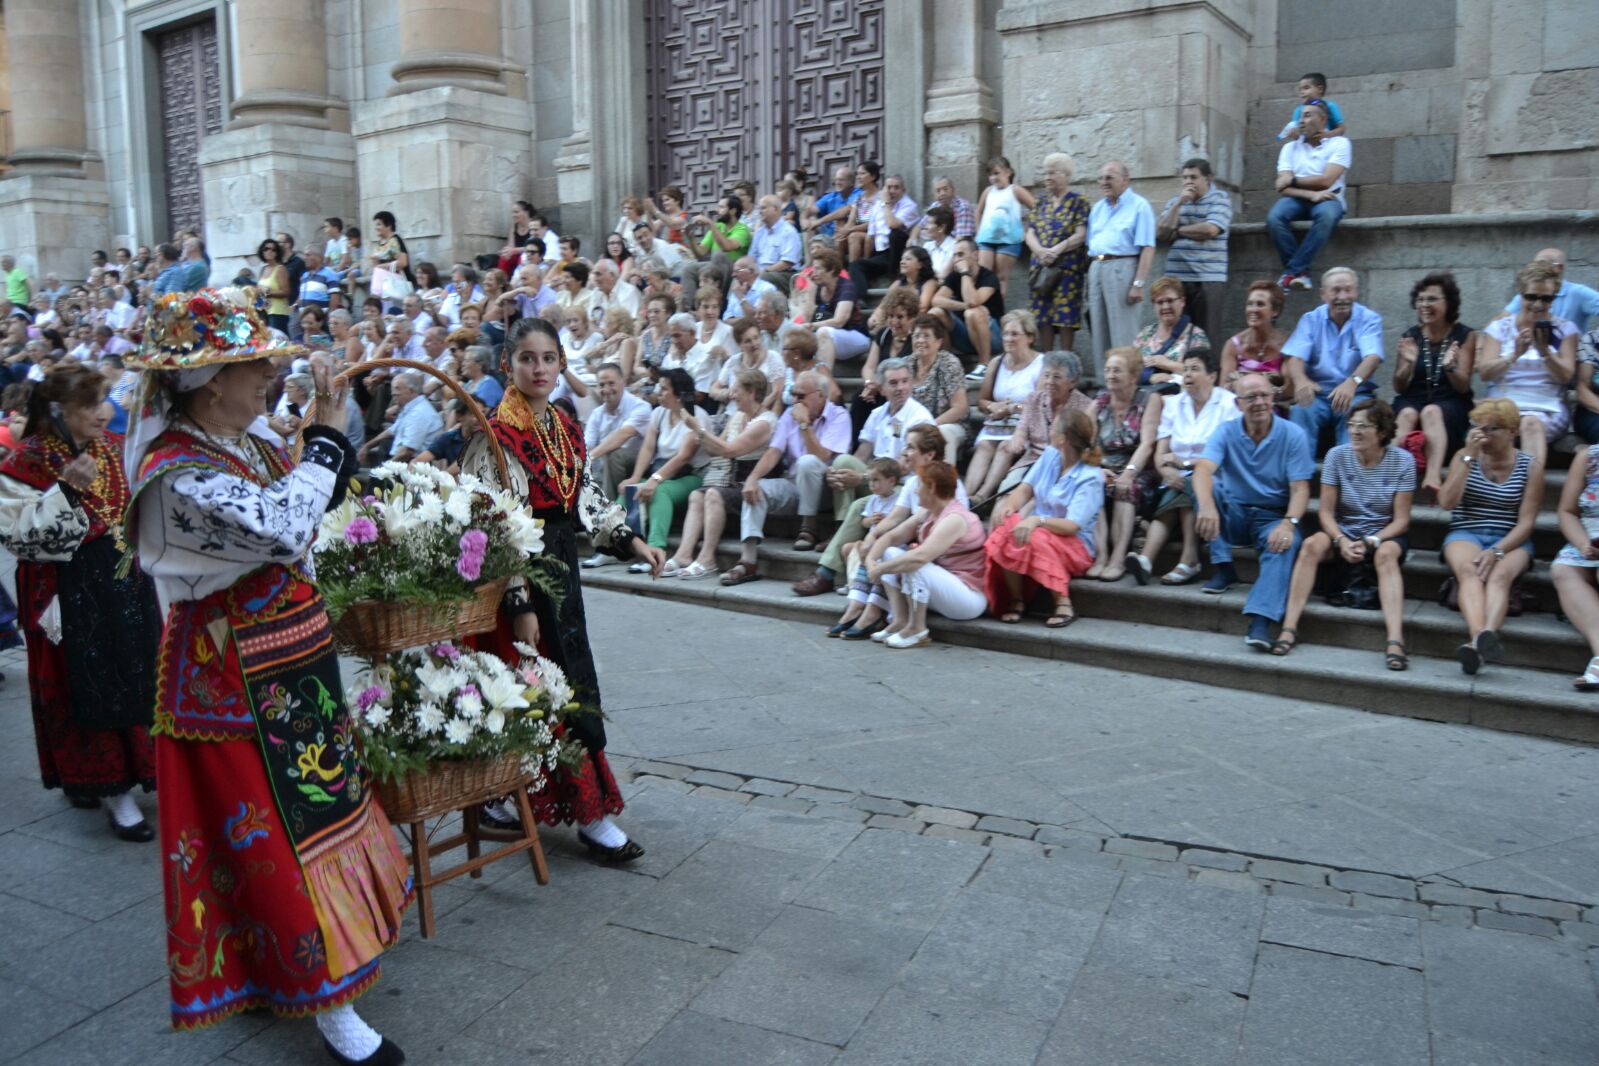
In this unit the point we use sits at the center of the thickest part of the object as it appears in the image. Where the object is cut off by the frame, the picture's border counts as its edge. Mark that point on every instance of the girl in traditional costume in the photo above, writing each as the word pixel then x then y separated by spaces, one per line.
pixel 548 470
pixel 283 880
pixel 91 635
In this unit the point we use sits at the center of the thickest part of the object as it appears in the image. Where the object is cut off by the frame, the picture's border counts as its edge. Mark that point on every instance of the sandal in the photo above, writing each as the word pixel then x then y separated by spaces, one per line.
pixel 1397 660
pixel 670 568
pixel 1014 615
pixel 1095 572
pixel 1182 574
pixel 696 570
pixel 740 574
pixel 806 541
pixel 1062 617
pixel 1588 682
pixel 1281 647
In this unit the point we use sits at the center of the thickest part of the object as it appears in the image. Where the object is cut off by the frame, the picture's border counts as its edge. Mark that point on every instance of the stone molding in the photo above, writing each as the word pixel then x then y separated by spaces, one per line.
pixel 1053 14
pixel 284 106
pixel 421 71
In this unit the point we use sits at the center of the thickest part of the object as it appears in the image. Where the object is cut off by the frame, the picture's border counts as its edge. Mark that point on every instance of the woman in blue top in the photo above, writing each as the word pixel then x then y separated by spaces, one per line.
pixel 1056 542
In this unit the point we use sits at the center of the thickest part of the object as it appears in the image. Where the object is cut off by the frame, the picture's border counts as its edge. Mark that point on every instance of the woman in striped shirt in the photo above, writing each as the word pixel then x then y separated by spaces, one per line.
pixel 1494 491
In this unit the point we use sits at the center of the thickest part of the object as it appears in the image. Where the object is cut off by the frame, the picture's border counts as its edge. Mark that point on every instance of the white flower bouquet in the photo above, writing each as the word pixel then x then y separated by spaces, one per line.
pixel 425 539
pixel 430 706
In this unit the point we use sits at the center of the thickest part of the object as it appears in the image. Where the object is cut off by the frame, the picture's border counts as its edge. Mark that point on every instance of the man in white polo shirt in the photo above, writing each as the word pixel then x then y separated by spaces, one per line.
pixel 1310 181
pixel 613 433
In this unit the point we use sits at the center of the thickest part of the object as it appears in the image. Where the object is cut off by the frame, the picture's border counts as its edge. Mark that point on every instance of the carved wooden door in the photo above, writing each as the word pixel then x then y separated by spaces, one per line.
pixel 191 108
pixel 752 88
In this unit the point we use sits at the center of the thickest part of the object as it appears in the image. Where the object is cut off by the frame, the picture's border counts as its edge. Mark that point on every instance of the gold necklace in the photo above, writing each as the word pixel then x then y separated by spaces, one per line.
pixel 559 454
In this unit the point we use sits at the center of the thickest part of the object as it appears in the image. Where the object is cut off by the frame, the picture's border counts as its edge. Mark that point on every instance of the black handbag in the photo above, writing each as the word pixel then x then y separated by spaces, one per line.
pixel 1044 280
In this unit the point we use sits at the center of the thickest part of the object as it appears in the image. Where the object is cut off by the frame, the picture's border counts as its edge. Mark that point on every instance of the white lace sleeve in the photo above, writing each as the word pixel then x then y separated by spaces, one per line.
pixel 233 520
pixel 40 526
pixel 604 519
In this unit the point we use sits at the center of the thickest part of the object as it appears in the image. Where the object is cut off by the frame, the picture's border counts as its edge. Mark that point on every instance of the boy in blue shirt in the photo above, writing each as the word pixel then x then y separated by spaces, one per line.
pixel 1314 87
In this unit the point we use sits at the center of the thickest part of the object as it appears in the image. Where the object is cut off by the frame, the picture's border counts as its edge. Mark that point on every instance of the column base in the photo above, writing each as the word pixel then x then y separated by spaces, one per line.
pixel 574 183
pixel 258 180
pixel 53 224
pixel 448 162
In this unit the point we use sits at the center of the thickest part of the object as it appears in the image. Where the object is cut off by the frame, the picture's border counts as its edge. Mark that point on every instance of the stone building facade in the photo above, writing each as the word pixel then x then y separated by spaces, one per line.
pixel 128 119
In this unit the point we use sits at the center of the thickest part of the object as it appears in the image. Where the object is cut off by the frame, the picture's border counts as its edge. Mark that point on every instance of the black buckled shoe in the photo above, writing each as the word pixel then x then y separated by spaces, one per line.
pixel 622 853
pixel 387 1054
pixel 139 832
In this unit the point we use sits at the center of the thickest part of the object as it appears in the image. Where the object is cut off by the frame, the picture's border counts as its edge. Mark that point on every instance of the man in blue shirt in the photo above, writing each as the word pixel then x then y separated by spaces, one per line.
pixel 1121 247
pixel 833 207
pixel 1575 303
pixel 320 285
pixel 172 274
pixel 775 245
pixel 1265 464
pixel 1331 357
pixel 196 270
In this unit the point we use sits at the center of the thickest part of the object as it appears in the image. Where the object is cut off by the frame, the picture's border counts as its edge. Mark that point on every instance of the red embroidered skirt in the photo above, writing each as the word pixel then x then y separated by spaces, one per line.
pixel 242 930
pixel 1047 559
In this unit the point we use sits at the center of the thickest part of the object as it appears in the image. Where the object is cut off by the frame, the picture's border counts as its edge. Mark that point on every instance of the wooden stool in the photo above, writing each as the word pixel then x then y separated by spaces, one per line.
pixel 423 848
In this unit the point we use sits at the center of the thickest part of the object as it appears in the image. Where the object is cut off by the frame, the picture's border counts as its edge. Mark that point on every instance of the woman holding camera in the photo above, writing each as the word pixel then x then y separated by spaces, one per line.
pixel 1530 357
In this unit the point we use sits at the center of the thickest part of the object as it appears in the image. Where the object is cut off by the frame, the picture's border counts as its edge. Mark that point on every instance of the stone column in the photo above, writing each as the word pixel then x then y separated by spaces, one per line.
pixel 282 68
pixel 286 160
pixel 447 150
pixel 960 115
pixel 54 205
pixel 453 43
pixel 607 116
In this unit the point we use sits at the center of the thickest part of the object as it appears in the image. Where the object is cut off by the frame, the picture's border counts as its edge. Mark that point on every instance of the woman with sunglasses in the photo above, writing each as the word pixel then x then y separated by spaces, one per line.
pixel 1494 491
pixel 1530 357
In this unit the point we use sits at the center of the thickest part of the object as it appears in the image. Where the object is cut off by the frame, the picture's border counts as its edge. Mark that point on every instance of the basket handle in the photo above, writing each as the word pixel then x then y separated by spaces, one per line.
pixel 495 448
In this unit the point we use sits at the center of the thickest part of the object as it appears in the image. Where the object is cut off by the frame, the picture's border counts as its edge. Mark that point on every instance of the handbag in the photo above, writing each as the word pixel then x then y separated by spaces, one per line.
pixel 390 284
pixel 1043 280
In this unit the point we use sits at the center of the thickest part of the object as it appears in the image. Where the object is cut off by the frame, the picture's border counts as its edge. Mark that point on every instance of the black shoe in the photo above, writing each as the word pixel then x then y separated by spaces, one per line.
pixel 622 853
pixel 83 803
pixel 387 1054
pixel 137 833
pixel 1491 647
pixel 489 818
pixel 855 632
pixel 838 629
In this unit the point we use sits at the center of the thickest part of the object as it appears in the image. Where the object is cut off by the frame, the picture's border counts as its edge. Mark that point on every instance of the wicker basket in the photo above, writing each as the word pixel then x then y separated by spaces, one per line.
pixel 374 628
pixel 449 786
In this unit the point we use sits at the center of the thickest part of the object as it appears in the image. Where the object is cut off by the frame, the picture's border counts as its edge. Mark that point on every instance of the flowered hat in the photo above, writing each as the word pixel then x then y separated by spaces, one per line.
pixel 186 330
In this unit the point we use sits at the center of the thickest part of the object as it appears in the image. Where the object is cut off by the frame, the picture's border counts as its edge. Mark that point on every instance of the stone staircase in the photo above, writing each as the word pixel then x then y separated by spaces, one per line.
pixel 1182 633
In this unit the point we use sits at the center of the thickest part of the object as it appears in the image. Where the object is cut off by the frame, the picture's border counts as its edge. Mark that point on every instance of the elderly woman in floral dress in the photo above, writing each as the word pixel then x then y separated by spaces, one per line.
pixel 1057 233
pixel 1128 426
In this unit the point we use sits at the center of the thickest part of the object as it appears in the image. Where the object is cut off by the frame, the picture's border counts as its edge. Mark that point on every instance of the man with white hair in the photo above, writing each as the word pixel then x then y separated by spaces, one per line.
pixel 609 293
pixel 888 226
pixel 809 436
pixel 416 424
pixel 532 295
pixel 962 214
pixel 1331 357
pixel 744 294
pixel 1121 249
pixel 401 341
pixel 774 245
pixel 771 314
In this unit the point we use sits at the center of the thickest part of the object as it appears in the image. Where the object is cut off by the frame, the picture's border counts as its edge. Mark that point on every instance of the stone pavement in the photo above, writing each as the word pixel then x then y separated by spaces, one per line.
pixel 950 855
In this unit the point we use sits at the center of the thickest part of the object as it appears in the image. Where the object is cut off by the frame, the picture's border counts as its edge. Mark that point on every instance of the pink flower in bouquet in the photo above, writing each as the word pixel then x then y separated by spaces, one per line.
pixel 361 531
pixel 474 544
pixel 447 651
pixel 370 696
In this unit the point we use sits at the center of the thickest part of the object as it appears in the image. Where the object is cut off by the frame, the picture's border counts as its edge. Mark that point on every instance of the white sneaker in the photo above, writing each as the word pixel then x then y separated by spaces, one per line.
pixel 638 568
pixel 595 561
pixel 908 640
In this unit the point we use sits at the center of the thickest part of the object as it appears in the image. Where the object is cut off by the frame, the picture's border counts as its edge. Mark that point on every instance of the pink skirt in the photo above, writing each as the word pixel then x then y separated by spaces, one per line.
pixel 1047 559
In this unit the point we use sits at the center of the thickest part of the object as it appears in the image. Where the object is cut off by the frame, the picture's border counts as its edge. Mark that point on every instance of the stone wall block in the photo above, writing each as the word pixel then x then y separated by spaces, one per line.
pixel 1543 112
pixel 1372 161
pixel 1417 199
pixel 1516 32
pixel 1381 113
pixel 1429 159
pixel 1569 37
pixel 1443 110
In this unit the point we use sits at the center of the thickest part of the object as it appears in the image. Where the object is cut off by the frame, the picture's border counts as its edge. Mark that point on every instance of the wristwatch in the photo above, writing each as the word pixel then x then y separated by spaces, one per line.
pixel 1499 553
pixel 1357 379
pixel 1291 520
pixel 1138 283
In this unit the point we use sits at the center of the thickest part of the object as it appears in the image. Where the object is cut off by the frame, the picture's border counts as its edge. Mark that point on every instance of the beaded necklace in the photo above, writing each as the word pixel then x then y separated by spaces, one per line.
pixel 559 453
pixel 1431 356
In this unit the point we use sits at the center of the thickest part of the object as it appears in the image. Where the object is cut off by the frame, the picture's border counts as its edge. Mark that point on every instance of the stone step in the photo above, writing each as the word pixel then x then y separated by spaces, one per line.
pixel 1505 697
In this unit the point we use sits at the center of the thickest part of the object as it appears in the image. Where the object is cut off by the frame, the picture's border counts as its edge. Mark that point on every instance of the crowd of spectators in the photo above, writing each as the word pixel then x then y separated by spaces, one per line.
pixel 849 359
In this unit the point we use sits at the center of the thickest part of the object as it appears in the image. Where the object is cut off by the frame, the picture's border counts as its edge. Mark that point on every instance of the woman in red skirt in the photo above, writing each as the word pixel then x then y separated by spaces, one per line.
pixel 91 634
pixel 1056 542
pixel 284 883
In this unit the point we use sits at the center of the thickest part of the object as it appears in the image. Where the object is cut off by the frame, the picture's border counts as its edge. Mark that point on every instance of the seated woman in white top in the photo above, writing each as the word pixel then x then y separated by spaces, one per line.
pixel 733 455
pixel 582 343
pixel 1530 357
pixel 669 461
pixel 752 355
pixel 713 342
pixel 1186 424
pixel 1011 378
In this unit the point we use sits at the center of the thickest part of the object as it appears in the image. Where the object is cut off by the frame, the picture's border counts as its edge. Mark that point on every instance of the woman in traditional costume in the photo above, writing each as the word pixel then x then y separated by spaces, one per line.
pixel 91 636
pixel 548 470
pixel 283 880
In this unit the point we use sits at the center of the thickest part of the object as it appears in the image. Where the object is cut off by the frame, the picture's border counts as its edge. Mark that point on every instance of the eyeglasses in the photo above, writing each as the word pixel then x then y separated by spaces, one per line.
pixel 1360 425
pixel 1255 397
pixel 1537 298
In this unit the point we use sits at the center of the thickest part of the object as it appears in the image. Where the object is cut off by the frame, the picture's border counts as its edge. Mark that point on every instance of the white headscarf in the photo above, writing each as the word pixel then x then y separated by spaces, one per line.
pixel 152 412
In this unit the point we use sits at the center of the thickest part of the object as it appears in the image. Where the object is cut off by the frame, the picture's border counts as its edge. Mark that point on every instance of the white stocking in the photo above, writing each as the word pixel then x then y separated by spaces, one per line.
pixel 349 1035
pixel 124 810
pixel 604 832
